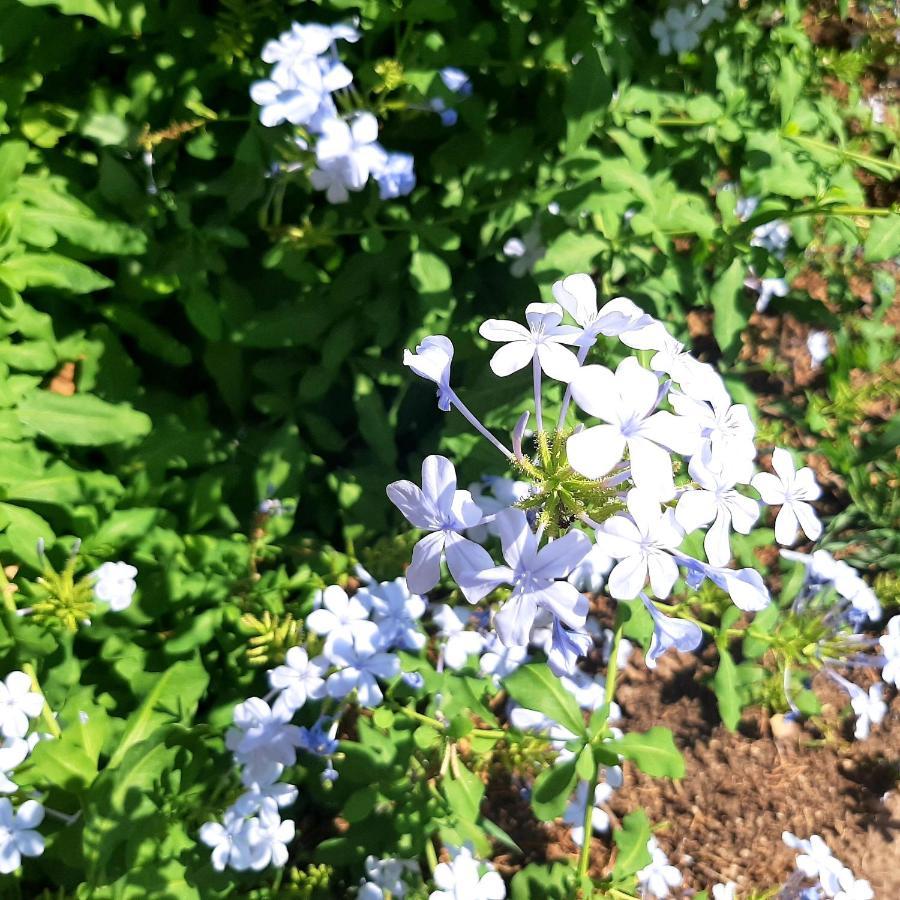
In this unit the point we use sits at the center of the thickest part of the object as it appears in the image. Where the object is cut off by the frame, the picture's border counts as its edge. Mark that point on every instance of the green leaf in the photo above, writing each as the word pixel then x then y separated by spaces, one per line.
pixel 430 274
pixel 632 839
pixel 464 791
pixel 29 270
pixel 653 752
pixel 24 529
pixel 730 314
pixel 13 157
pixel 536 687
pixel 883 241
pixel 552 789
pixel 173 698
pixel 82 419
pixel 588 94
pixel 726 688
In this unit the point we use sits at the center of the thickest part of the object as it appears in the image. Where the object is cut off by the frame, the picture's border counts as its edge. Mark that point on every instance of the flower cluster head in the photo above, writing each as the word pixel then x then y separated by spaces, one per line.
pixel 306 74
pixel 680 28
pixel 825 875
pixel 643 453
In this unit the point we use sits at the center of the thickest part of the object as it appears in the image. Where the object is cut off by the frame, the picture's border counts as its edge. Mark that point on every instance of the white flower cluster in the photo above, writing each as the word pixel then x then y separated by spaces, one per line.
pixel 19 704
pixel 677 410
pixel 815 863
pixel 358 634
pixel 306 74
pixel 680 28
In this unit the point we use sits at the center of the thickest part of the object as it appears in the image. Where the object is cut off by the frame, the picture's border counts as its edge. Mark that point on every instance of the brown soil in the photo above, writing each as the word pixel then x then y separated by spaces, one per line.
pixel 724 820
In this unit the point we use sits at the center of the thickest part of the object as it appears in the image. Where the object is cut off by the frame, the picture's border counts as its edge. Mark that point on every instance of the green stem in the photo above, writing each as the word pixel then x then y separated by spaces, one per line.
pixel 864 158
pixel 419 717
pixel 46 713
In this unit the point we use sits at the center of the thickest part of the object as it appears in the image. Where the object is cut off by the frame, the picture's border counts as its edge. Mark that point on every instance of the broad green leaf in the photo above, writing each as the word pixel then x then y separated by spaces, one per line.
pixel 730 316
pixel 653 752
pixel 430 274
pixel 173 698
pixel 587 96
pixel 632 839
pixel 536 687
pixel 883 241
pixel 82 419
pixel 552 790
pixel 13 156
pixel 24 528
pixel 29 270
pixel 726 688
pixel 464 791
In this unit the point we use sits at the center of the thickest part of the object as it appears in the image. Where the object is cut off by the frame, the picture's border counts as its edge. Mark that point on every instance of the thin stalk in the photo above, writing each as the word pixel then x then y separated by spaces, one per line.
pixel 567 397
pixel 470 418
pixel 840 151
pixel 538 409
pixel 46 713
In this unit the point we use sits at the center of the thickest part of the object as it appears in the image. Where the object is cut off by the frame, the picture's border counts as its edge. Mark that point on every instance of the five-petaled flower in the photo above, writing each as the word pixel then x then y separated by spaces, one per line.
pixel 793 490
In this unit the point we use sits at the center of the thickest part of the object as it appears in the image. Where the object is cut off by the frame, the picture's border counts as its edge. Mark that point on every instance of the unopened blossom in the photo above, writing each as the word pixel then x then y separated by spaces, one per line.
pixel 577 295
pixel 525 251
pixel 443 510
pixel 670 632
pixel 360 663
pixel 544 338
pixel 319 739
pixel 466 878
pixel 890 647
pixel 459 644
pixel 432 361
pixel 345 156
pixel 534 575
pixel 19 702
pixel 397 612
pixel 115 584
pixel 716 501
pixel 626 401
pixel 299 679
pixel 18 837
pixel 792 490
pixel 337 614
pixel 658 877
pixel 642 543
pixel 13 753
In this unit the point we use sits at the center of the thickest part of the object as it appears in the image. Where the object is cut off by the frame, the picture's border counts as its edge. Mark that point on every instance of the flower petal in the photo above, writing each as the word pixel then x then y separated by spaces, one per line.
pixel 424 571
pixel 512 357
pixel 594 451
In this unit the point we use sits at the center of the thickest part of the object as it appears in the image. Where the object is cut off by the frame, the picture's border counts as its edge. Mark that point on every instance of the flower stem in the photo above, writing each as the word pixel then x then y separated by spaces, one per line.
pixel 470 418
pixel 46 713
pixel 567 397
pixel 538 411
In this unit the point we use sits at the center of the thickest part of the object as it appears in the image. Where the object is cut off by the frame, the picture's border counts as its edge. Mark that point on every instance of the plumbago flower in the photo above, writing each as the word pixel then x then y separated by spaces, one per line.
pixel 792 489
pixel 443 510
pixel 662 451
pixel 466 877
